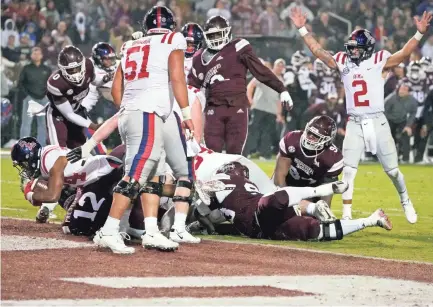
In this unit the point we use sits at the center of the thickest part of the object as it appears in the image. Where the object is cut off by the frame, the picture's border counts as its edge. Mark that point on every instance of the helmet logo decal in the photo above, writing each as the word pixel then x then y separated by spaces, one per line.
pixel 27 145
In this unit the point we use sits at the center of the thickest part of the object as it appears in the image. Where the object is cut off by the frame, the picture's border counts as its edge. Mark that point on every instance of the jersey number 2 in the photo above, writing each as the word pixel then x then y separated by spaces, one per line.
pixel 360 92
pixel 142 73
pixel 95 206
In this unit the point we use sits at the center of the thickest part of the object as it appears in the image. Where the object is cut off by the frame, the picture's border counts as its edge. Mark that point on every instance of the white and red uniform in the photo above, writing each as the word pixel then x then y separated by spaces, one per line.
pixel 207 162
pixel 367 128
pixel 147 101
pixel 79 174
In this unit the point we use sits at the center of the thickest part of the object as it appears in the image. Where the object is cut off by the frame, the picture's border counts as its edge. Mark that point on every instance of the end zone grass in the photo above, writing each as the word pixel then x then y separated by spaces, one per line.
pixel 373 190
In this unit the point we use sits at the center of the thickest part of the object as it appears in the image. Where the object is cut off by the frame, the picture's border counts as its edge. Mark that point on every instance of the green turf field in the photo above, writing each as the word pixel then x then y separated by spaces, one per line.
pixel 373 190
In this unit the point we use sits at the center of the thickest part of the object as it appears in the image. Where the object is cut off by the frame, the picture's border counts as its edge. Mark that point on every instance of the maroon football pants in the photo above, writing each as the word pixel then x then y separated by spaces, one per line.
pixel 280 222
pixel 61 131
pixel 227 126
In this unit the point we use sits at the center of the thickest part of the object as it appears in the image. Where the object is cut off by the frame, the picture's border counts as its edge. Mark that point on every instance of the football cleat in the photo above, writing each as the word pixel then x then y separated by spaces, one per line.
pixel 183 237
pixel 158 241
pixel 409 211
pixel 339 187
pixel 382 220
pixel 114 242
pixel 323 213
pixel 43 215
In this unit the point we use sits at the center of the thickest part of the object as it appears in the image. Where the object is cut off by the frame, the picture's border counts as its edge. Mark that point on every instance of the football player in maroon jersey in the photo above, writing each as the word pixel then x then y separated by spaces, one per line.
pixel 272 216
pixel 309 158
pixel 221 70
pixel 66 89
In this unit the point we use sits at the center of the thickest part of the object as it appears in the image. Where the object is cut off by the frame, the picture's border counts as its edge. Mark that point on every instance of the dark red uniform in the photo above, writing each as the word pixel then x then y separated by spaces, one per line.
pixel 309 171
pixel 259 216
pixel 224 78
pixel 60 131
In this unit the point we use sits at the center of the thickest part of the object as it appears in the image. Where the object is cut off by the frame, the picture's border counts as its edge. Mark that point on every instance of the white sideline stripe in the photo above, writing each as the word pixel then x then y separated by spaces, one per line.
pixel 326 290
pixel 279 246
pixel 12 209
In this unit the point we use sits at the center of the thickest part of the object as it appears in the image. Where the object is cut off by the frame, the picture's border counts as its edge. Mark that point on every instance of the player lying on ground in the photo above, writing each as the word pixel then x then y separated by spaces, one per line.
pixel 362 73
pixel 34 161
pixel 272 216
pixel 308 158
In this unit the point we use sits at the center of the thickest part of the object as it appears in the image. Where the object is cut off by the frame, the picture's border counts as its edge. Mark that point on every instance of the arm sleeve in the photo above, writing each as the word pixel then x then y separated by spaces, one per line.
pixel 91 99
pixel 66 109
pixel 255 66
pixel 336 168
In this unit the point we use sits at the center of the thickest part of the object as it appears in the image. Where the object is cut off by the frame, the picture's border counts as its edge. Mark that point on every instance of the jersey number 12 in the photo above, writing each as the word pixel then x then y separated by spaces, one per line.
pixel 142 72
pixel 360 92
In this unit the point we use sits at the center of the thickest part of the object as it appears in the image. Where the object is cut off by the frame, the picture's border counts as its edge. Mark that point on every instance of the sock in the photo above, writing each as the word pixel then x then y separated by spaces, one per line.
pixel 347 207
pixel 151 225
pixel 179 221
pixel 348 227
pixel 297 194
pixel 124 221
pixel 50 206
pixel 397 179
pixel 111 226
pixel 310 209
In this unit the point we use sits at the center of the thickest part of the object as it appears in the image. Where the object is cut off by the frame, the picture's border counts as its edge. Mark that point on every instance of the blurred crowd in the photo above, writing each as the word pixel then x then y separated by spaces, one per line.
pixel 53 24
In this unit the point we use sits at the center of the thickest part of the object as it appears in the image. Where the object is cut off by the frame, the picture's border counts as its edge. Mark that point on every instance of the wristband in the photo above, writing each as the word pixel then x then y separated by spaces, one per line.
pixel 303 31
pixel 418 35
pixel 186 113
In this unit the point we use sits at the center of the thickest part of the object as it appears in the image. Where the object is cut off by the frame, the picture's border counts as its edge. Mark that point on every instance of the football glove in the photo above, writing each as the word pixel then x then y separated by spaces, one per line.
pixel 137 35
pixel 286 100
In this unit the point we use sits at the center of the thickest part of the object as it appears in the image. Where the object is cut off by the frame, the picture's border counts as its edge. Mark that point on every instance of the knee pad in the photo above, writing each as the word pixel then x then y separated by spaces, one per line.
pixel 184 184
pixel 151 187
pixel 129 189
pixel 327 233
pixel 393 173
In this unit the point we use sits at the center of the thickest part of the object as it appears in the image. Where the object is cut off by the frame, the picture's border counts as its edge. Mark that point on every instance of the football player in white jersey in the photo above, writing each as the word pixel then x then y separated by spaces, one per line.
pixel 362 73
pixel 49 163
pixel 150 76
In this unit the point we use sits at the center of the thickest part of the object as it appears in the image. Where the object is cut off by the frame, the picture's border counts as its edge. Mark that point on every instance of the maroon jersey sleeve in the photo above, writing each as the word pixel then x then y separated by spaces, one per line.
pixel 333 161
pixel 289 143
pixel 193 79
pixel 255 66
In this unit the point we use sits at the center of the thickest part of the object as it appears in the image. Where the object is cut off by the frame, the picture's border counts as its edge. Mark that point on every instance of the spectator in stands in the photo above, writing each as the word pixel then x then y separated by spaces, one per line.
pixel 49 50
pixel 33 13
pixel 178 13
pixel 426 5
pixel 41 29
pixel 32 82
pixel 427 48
pixel 11 52
pixel 100 33
pixel 264 105
pixel 123 12
pixel 284 15
pixel 119 34
pixel 268 20
pixel 242 14
pixel 61 39
pixel 51 14
pixel 80 34
pixel 379 31
pixel 137 15
pixel 25 47
pixel 30 29
pixel 400 110
pixel 99 10
pixel 221 8
pixel 321 25
pixel 9 30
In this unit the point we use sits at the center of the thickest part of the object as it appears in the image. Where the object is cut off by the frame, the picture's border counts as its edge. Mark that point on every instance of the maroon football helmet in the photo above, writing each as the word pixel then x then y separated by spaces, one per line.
pixel 234 168
pixel 318 133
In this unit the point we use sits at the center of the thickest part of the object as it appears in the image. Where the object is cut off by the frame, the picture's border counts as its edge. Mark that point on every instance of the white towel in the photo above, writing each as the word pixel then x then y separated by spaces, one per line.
pixel 192 148
pixel 36 109
pixel 369 133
